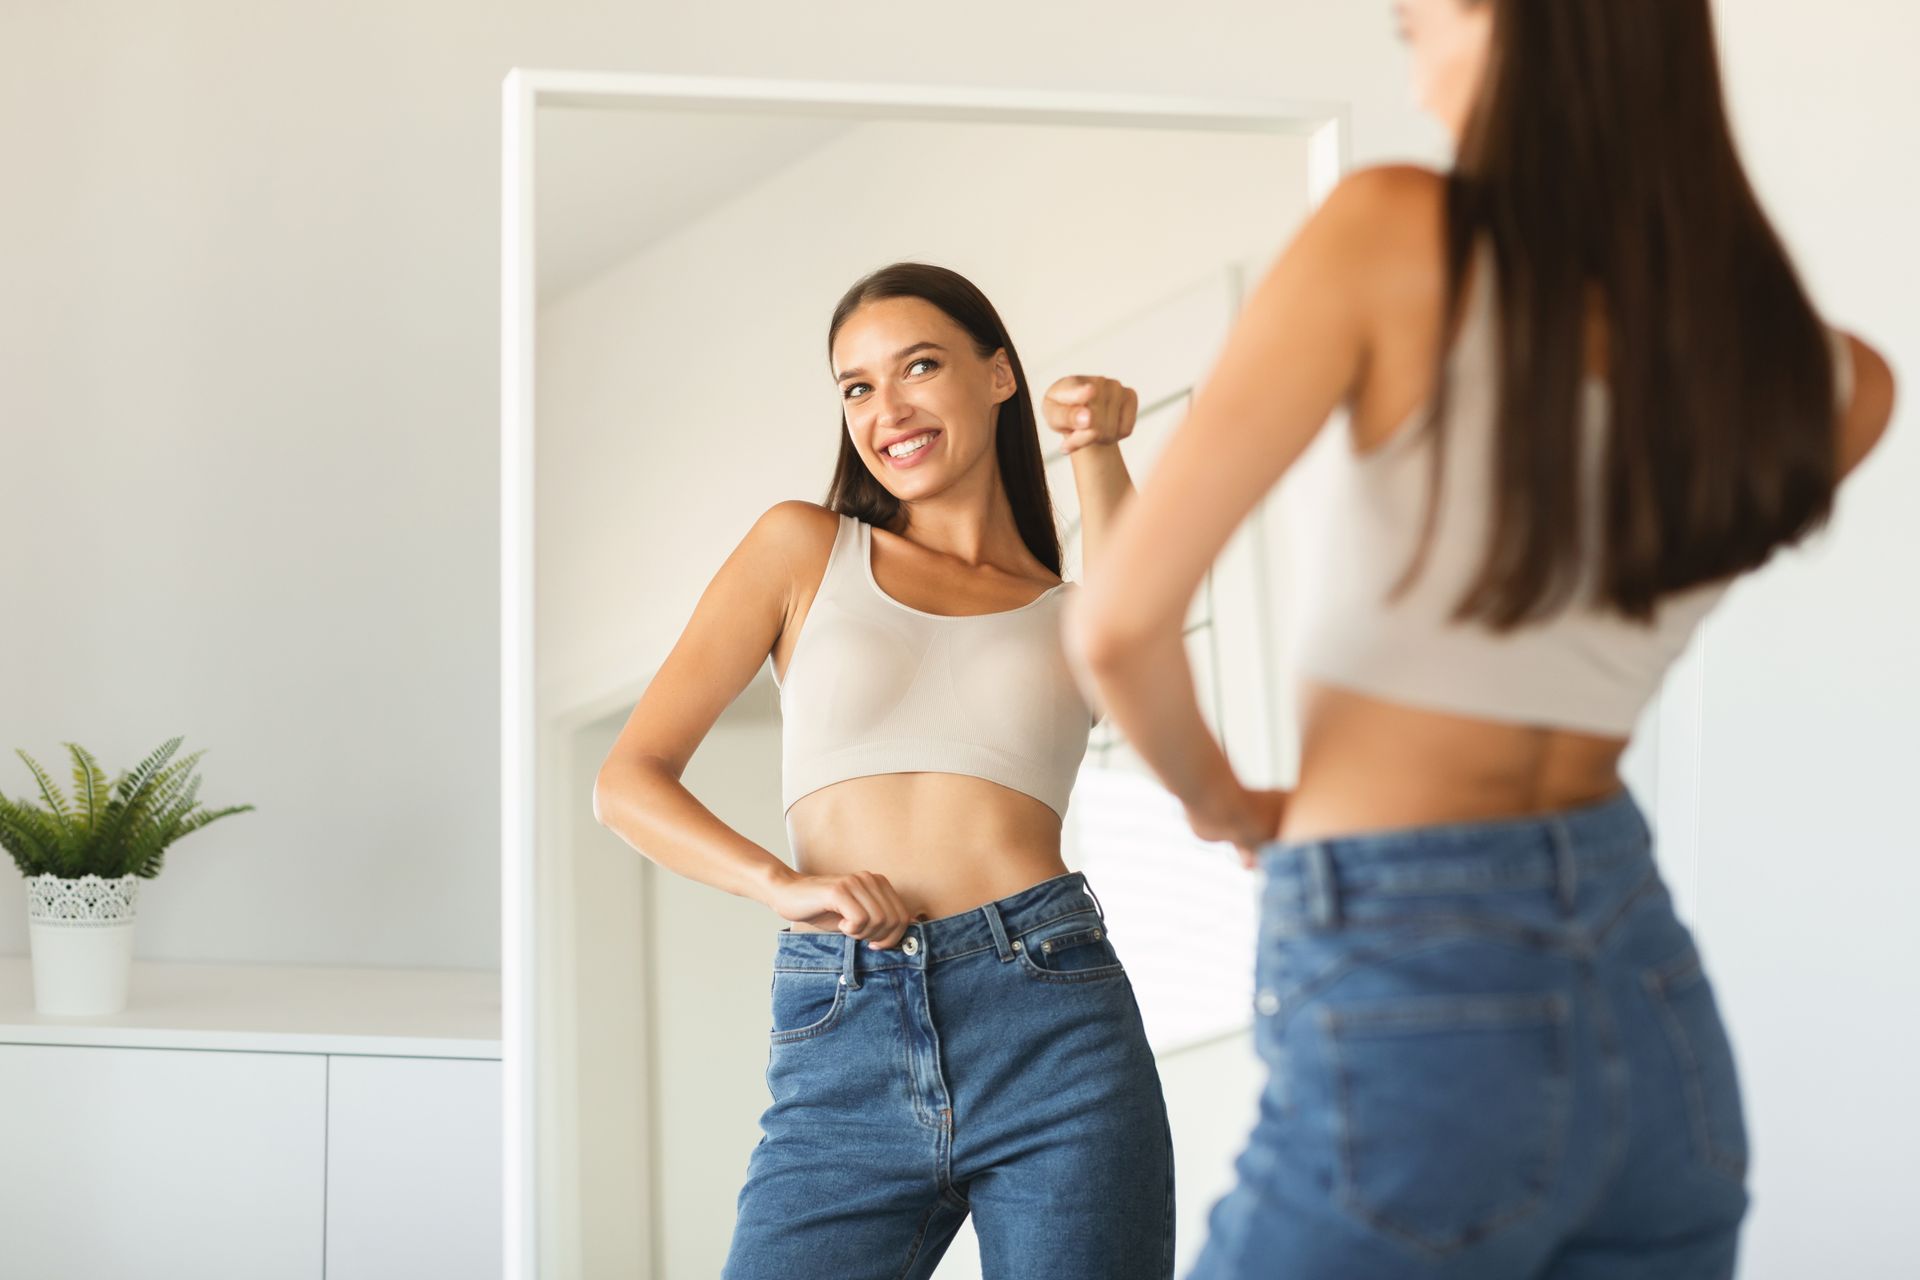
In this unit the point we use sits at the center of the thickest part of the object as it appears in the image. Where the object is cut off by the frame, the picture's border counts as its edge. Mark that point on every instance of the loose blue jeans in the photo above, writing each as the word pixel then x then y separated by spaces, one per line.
pixel 994 1063
pixel 1492 1052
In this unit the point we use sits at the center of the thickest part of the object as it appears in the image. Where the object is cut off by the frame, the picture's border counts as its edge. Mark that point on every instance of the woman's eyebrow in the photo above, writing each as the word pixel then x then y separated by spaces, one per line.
pixel 904 351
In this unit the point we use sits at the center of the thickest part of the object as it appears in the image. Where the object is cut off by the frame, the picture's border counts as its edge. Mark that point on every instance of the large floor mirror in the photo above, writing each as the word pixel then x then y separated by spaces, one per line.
pixel 673 250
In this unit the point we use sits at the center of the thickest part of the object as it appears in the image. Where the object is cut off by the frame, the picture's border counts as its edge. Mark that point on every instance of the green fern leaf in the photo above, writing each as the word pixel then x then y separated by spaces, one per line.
pixel 55 801
pixel 89 784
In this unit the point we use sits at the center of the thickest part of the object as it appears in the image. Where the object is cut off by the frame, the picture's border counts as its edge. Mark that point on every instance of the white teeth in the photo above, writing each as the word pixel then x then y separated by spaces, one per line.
pixel 914 445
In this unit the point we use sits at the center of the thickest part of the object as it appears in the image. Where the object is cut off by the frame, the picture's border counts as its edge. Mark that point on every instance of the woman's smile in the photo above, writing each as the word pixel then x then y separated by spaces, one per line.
pixel 917 451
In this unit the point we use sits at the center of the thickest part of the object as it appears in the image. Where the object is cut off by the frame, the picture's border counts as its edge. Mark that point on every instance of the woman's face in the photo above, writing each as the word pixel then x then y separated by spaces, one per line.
pixel 1449 41
pixel 905 369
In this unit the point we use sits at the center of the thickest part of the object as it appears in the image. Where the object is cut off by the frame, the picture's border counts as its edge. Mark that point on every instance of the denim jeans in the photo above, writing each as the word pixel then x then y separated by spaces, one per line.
pixel 992 1062
pixel 1491 1051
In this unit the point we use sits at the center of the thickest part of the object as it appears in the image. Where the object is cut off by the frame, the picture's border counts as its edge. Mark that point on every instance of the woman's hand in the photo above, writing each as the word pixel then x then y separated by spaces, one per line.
pixel 862 904
pixel 1089 410
pixel 1249 817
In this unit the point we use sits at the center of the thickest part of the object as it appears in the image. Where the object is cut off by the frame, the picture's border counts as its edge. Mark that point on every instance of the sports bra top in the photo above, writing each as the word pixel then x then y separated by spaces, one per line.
pixel 1585 668
pixel 877 686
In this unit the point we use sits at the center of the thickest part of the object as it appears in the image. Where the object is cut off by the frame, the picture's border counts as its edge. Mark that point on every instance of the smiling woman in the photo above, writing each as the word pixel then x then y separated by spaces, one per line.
pixel 929 747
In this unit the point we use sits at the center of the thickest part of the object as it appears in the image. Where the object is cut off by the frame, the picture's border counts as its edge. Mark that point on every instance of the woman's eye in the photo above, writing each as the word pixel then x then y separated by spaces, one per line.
pixel 848 393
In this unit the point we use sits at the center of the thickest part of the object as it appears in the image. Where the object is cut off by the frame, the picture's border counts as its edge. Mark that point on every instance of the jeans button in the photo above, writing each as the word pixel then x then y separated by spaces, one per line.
pixel 911 946
pixel 1267 1002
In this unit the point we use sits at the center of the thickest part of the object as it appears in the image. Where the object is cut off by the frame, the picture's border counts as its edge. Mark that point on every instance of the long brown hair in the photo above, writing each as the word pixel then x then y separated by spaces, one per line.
pixel 856 492
pixel 1598 155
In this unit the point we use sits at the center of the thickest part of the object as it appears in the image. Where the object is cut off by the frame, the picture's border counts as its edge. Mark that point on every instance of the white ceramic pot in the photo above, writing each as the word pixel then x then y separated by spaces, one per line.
pixel 80 934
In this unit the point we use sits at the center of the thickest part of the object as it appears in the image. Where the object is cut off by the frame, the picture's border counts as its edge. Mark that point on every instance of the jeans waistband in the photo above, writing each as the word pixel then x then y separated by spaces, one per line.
pixel 992 926
pixel 1555 850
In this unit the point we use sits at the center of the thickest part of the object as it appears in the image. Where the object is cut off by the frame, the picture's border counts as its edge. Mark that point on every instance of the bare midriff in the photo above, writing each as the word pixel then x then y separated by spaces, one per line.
pixel 950 842
pixel 947 842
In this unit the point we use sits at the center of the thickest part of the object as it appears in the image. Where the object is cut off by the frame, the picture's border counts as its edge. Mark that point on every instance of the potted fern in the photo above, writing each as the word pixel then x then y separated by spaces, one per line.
pixel 83 859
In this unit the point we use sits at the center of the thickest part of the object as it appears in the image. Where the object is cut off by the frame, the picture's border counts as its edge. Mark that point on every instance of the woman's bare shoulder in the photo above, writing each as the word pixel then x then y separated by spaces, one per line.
pixel 796 517
pixel 1391 199
pixel 800 534
pixel 1391 231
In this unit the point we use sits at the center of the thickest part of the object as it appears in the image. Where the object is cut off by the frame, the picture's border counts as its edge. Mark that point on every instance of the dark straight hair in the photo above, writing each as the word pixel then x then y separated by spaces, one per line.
pixel 854 489
pixel 1598 158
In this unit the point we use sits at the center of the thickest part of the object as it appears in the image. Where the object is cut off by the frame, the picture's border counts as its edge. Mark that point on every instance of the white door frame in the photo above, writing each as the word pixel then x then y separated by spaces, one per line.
pixel 524 92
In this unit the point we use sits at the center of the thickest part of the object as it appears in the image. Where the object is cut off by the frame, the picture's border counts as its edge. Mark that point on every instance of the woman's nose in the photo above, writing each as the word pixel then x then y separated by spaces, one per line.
pixel 889 405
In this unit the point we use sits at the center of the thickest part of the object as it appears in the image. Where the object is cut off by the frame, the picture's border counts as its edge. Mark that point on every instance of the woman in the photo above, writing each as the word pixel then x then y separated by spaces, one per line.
pixel 953 1031
pixel 1491 1047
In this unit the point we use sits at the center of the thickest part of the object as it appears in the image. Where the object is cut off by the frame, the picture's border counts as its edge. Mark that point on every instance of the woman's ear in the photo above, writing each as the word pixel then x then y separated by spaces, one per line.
pixel 1004 383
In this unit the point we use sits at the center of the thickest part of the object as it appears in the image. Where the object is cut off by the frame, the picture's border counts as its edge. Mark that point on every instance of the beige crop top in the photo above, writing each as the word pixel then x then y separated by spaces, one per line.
pixel 1582 669
pixel 877 686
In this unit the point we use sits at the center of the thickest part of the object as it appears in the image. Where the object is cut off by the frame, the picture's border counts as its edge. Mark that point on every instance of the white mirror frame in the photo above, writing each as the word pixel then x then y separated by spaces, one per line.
pixel 524 92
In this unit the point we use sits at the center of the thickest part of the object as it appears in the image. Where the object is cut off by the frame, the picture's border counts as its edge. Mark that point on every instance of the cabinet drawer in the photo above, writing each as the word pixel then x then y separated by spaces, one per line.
pixel 159 1163
pixel 414 1168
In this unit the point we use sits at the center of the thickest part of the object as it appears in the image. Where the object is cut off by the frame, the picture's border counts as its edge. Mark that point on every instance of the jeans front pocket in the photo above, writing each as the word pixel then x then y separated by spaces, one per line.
pixel 806 1002
pixel 1073 948
pixel 1709 1082
pixel 1451 1111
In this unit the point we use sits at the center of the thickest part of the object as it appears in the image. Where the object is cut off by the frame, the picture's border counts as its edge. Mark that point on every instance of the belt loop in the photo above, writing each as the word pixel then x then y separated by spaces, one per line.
pixel 1566 881
pixel 999 931
pixel 1323 887
pixel 851 951
pixel 1096 899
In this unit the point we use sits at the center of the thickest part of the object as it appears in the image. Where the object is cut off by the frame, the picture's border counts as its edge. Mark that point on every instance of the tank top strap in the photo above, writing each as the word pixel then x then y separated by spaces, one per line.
pixel 842 576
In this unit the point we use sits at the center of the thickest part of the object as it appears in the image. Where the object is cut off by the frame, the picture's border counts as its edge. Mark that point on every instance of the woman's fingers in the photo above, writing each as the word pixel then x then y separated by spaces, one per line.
pixel 855 911
pixel 868 907
pixel 897 915
pixel 873 910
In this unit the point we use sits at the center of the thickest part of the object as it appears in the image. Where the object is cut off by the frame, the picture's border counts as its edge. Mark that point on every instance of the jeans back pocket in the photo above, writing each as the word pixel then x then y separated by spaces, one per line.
pixel 1451 1111
pixel 1709 1082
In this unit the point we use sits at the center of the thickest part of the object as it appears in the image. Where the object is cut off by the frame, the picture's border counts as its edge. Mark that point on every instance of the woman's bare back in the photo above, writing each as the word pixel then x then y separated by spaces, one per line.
pixel 1369 764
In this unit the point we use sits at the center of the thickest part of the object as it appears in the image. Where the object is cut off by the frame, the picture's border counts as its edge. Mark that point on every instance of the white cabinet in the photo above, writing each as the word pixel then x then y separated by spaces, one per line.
pixel 413 1168
pixel 254 1122
pixel 117 1163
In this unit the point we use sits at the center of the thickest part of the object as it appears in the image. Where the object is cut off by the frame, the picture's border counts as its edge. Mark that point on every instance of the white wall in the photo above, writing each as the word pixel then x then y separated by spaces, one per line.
pixel 248 391
pixel 1809 857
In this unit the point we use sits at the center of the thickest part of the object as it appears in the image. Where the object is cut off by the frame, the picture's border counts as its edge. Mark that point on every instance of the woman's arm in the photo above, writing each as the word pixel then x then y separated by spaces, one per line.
pixel 1293 356
pixel 1093 415
pixel 1101 482
pixel 638 794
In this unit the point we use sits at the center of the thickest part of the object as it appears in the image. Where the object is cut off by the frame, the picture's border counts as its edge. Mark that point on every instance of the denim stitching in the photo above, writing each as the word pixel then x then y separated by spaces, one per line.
pixel 932 959
pixel 1454 923
pixel 1099 973
pixel 1658 981
pixel 919 1237
pixel 1445 874
pixel 1616 1072
pixel 906 1055
pixel 1648 886
pixel 1364 955
pixel 815 1028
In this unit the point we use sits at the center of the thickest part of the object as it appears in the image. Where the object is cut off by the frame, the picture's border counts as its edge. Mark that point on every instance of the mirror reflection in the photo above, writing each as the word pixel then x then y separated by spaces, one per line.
pixel 834 678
